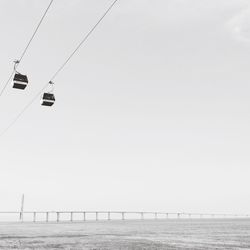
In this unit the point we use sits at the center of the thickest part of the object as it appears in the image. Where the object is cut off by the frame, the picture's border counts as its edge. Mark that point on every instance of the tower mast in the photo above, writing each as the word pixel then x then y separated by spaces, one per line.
pixel 21 211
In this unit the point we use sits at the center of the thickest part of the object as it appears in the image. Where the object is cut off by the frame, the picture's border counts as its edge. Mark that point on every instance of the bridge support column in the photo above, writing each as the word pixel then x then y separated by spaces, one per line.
pixel 71 216
pixel 156 216
pixel 108 215
pixel 123 216
pixel 47 216
pixel 84 216
pixel 57 216
pixel 166 215
pixel 34 217
pixel 96 216
pixel 21 216
pixel 142 216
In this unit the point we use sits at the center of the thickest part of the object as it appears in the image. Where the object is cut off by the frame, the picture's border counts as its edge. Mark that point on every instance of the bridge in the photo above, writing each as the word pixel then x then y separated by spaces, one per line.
pixel 78 216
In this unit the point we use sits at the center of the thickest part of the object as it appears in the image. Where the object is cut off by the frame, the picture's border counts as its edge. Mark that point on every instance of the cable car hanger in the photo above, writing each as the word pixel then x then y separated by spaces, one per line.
pixel 16 62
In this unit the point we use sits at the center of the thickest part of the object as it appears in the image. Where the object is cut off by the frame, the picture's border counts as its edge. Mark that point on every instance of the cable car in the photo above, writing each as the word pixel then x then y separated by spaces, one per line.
pixel 48 99
pixel 20 81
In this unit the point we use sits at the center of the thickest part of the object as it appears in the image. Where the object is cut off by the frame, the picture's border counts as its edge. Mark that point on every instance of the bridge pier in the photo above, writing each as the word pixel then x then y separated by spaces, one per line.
pixel 123 216
pixel 108 215
pixel 71 216
pixel 47 216
pixel 21 216
pixel 84 216
pixel 156 216
pixel 142 216
pixel 34 217
pixel 57 216
pixel 96 216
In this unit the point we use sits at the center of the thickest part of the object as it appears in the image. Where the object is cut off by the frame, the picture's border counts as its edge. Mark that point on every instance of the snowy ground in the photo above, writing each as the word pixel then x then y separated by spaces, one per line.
pixel 115 235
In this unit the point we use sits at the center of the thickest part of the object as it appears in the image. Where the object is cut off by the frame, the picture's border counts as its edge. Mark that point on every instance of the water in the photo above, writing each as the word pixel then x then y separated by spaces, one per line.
pixel 116 235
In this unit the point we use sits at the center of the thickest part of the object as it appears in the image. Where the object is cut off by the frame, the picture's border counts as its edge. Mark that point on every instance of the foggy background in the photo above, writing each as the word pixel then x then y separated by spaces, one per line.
pixel 153 113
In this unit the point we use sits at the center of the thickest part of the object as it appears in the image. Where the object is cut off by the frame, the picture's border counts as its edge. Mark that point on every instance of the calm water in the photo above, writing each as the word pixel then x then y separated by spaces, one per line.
pixel 115 235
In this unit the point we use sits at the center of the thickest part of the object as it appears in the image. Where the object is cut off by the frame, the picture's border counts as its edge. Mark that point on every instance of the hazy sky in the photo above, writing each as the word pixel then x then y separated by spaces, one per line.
pixel 153 113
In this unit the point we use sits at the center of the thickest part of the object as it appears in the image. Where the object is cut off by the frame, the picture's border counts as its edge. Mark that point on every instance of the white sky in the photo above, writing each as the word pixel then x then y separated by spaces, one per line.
pixel 153 113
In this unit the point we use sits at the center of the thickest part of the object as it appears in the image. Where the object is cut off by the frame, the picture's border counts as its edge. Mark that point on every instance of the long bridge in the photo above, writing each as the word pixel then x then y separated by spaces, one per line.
pixel 70 216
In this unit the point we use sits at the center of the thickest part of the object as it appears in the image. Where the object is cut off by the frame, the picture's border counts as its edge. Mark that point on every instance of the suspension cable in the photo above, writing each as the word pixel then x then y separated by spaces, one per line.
pixel 83 41
pixel 37 28
pixel 7 82
pixel 60 69
pixel 17 62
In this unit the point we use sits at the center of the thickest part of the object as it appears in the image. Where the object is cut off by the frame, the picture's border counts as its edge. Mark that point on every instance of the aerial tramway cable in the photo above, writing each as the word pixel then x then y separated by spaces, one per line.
pixel 17 62
pixel 83 40
pixel 60 68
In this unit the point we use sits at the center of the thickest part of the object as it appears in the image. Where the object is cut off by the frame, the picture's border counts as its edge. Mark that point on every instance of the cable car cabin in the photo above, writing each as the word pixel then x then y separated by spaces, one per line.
pixel 48 99
pixel 20 81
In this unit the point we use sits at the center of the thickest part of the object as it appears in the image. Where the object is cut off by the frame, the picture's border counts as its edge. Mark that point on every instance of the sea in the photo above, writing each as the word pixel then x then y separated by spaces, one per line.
pixel 192 234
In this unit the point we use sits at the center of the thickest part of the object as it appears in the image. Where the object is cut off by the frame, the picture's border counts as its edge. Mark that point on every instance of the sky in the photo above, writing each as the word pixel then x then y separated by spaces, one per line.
pixel 152 114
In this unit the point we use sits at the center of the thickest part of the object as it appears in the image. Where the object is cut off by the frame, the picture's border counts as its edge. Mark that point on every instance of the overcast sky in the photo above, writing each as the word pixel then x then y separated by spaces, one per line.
pixel 153 113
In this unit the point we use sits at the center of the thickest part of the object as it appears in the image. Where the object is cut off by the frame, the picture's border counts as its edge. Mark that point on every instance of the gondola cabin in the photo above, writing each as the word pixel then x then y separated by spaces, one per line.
pixel 20 81
pixel 48 99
